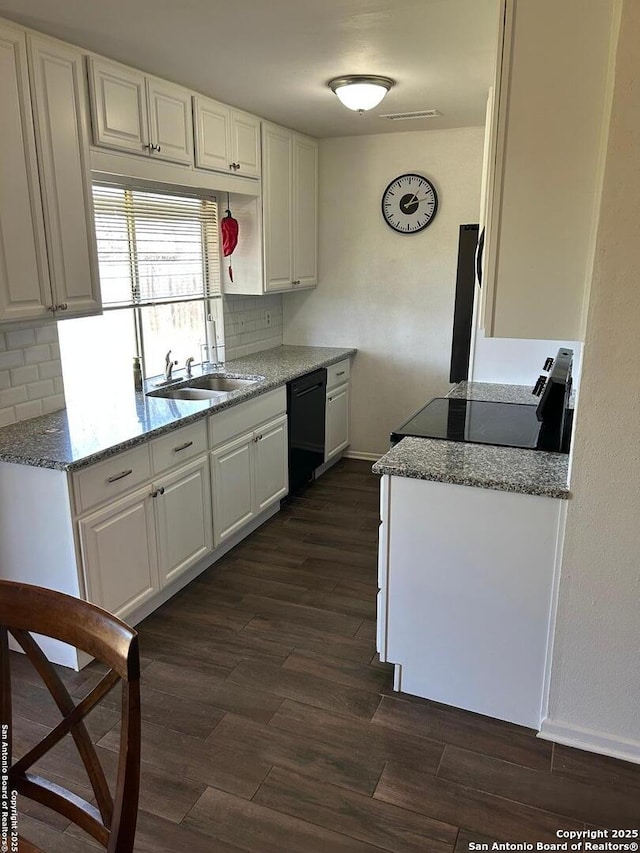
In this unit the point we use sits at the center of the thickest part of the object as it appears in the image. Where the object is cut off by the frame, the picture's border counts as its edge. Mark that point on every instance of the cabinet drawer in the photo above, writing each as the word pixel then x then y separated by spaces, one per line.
pixel 178 446
pixel 338 374
pixel 116 475
pixel 246 416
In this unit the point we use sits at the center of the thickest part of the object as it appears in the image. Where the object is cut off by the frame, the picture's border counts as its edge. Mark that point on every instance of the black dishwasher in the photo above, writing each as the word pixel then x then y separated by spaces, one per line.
pixel 306 399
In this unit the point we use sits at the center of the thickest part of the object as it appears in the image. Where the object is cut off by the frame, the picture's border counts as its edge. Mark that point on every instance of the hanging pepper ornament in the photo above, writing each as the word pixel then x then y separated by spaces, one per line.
pixel 229 228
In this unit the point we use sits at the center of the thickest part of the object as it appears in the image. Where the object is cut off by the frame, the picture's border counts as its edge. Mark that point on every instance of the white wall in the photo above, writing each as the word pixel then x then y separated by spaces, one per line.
pixel 387 294
pixel 517 361
pixel 595 675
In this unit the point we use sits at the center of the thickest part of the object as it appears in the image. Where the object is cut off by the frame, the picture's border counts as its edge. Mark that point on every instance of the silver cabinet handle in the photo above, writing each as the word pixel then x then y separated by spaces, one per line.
pixel 148 146
pixel 62 307
pixel 157 492
pixel 158 148
pixel 120 476
pixel 182 446
pixel 341 373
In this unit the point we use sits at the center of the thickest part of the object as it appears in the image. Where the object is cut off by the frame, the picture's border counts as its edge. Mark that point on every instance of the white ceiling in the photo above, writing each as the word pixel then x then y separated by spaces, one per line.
pixel 274 57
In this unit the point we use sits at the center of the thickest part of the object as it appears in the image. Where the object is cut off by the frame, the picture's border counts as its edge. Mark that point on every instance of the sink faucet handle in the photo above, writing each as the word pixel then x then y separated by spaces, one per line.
pixel 188 364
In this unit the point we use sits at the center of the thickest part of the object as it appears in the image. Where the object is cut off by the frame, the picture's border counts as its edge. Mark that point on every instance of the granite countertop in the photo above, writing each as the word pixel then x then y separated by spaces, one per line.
pixel 494 392
pixel 510 469
pixel 105 424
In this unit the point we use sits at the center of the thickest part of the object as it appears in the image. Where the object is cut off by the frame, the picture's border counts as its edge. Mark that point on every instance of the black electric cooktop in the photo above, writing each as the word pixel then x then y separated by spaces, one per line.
pixel 479 421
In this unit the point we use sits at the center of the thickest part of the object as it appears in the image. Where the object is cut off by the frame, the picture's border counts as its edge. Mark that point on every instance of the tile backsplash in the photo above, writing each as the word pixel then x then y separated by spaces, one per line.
pixel 30 372
pixel 252 324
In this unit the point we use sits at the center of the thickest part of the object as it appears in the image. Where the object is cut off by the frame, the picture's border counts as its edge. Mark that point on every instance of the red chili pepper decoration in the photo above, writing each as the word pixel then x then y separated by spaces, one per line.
pixel 229 228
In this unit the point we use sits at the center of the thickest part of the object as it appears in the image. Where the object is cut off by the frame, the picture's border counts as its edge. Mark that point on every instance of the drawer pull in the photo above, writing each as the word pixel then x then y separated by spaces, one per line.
pixel 341 373
pixel 182 446
pixel 157 492
pixel 119 476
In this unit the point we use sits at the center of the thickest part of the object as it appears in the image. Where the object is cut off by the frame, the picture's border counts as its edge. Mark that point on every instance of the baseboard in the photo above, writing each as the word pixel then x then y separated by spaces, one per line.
pixel 590 740
pixel 360 454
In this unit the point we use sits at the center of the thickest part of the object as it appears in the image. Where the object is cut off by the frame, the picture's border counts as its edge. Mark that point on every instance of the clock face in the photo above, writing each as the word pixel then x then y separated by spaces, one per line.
pixel 409 204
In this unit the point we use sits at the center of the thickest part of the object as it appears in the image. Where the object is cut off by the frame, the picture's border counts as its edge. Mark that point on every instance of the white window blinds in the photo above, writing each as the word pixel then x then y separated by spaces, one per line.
pixel 155 248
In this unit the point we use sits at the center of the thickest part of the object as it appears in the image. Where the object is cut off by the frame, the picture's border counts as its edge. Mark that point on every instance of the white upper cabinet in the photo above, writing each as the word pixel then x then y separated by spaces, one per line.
pixel 118 106
pixel 139 114
pixel 305 211
pixel 170 124
pixel 543 164
pixel 24 276
pixel 245 144
pixel 277 206
pixel 48 261
pixel 290 205
pixel 226 140
pixel 63 154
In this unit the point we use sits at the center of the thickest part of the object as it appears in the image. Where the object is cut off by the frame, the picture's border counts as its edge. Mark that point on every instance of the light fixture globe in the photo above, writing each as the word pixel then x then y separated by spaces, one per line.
pixel 361 92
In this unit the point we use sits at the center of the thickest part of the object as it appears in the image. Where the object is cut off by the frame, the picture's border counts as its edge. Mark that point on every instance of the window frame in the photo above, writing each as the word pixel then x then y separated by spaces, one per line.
pixel 210 257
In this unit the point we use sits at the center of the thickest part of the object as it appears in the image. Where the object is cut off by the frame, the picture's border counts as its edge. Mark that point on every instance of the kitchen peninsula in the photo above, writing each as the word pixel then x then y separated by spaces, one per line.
pixel 126 503
pixel 468 568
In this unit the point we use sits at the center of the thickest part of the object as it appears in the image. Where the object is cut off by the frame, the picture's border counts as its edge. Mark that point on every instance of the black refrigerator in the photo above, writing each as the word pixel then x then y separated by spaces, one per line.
pixel 463 307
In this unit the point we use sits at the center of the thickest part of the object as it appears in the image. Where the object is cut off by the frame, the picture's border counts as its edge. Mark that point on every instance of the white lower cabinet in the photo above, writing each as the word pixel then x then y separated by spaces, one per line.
pixel 183 519
pixel 465 601
pixel 118 545
pixel 136 545
pixel 336 421
pixel 271 464
pixel 248 475
pixel 232 485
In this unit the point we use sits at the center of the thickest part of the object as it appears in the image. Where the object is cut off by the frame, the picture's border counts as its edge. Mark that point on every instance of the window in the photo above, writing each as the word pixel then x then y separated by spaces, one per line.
pixel 159 263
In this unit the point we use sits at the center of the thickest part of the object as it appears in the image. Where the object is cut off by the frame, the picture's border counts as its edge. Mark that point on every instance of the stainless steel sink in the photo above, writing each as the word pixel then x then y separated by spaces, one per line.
pixel 185 394
pixel 206 387
pixel 223 383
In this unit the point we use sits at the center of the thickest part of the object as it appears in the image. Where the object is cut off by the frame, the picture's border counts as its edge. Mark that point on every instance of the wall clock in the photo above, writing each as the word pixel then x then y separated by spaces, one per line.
pixel 409 203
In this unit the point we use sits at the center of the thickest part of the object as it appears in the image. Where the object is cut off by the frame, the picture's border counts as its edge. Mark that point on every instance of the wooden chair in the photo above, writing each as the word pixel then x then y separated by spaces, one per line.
pixel 25 609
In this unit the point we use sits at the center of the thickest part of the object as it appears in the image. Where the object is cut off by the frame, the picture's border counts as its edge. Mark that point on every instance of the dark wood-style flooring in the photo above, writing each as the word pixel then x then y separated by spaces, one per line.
pixel 270 726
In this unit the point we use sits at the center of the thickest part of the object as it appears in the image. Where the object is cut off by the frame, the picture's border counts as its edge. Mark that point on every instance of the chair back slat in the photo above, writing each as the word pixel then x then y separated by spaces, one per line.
pixel 25 609
pixel 76 622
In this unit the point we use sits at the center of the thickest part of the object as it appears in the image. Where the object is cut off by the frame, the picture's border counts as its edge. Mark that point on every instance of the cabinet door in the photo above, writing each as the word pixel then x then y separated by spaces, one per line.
pixel 245 144
pixel 337 421
pixel 232 487
pixel 118 106
pixel 546 185
pixel 183 519
pixel 170 121
pixel 119 553
pixel 277 170
pixel 305 211
pixel 213 134
pixel 24 274
pixel 63 149
pixel 271 463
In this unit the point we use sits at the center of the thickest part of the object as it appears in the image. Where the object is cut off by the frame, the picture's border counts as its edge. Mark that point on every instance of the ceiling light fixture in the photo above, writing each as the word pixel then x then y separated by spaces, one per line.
pixel 361 92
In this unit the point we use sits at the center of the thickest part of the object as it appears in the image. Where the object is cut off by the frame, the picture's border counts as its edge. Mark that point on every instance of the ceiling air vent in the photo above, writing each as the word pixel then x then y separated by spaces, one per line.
pixel 411 116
